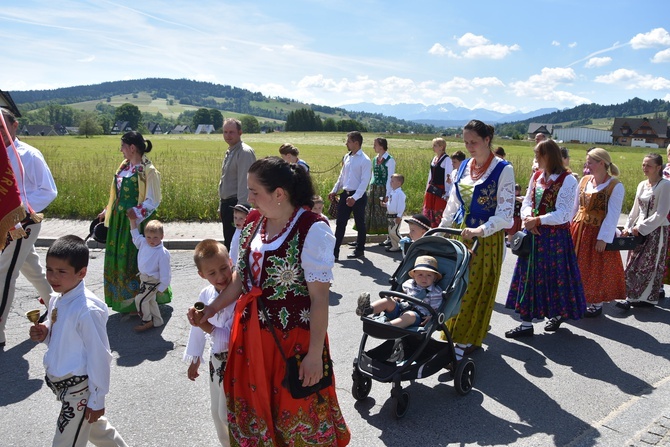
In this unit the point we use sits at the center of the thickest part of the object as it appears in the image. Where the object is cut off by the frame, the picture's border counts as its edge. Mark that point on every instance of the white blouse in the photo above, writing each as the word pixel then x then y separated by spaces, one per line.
pixel 657 216
pixel 504 214
pixel 564 202
pixel 608 226
pixel 317 259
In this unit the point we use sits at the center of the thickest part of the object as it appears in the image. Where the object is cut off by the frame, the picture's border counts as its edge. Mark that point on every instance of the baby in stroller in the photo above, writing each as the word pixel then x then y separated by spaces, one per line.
pixel 421 285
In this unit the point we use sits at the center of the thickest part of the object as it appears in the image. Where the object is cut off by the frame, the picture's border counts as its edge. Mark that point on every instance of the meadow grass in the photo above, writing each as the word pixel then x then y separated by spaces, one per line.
pixel 190 167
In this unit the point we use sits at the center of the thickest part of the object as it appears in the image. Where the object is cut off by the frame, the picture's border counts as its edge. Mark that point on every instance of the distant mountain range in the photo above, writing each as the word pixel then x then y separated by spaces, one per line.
pixel 444 115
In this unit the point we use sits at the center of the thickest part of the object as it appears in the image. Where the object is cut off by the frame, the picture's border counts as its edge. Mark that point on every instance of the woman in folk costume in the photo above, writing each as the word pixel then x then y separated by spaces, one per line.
pixel 547 283
pixel 666 277
pixel 482 204
pixel 648 221
pixel 383 167
pixel 439 183
pixel 598 207
pixel 283 275
pixel 136 185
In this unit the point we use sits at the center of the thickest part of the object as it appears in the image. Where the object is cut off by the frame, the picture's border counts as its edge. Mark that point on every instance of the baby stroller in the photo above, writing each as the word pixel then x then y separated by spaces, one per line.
pixel 408 354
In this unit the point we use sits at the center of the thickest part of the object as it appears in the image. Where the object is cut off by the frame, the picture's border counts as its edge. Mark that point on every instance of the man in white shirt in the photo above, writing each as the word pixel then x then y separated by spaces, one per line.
pixel 233 183
pixel 38 189
pixel 354 178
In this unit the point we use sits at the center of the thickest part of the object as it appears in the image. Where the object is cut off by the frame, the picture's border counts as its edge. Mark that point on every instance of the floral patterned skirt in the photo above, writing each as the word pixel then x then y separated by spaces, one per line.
pixel 261 412
pixel 596 268
pixel 645 267
pixel 548 283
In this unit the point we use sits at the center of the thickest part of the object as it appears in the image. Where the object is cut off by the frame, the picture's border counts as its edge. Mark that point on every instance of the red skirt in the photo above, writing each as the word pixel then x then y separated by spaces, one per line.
pixel 433 207
pixel 261 412
pixel 596 268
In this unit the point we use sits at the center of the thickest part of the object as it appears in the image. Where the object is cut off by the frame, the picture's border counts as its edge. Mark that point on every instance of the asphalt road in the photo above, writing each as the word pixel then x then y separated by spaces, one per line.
pixel 599 382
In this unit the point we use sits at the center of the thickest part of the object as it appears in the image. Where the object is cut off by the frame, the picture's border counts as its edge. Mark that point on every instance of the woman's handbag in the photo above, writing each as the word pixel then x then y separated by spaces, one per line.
pixel 435 191
pixel 521 244
pixel 622 243
pixel 291 380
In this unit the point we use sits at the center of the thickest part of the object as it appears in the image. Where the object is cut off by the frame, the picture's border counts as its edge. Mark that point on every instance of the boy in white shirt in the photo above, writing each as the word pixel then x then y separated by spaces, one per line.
pixel 153 262
pixel 395 207
pixel 213 263
pixel 78 358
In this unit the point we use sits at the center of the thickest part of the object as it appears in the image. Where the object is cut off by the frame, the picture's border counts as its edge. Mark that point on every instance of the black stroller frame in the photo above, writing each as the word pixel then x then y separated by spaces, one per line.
pixel 409 354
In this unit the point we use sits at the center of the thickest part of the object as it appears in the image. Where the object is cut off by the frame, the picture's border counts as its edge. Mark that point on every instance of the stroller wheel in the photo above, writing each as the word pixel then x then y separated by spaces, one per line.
pixel 401 405
pixel 361 386
pixel 464 377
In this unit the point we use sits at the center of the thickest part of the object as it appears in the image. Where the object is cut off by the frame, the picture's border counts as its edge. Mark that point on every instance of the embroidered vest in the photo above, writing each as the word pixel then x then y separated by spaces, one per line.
pixel 282 278
pixel 380 172
pixel 593 206
pixel 547 193
pixel 484 200
pixel 437 173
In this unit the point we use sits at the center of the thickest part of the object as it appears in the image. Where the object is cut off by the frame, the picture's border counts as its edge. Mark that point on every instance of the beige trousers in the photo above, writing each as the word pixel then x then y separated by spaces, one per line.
pixel 146 302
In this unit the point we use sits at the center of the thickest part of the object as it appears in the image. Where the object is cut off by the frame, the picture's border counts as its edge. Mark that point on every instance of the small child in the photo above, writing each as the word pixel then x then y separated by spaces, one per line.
pixel 78 358
pixel 153 262
pixel 290 154
pixel 395 207
pixel 240 212
pixel 418 226
pixel 213 263
pixel 317 208
pixel 401 313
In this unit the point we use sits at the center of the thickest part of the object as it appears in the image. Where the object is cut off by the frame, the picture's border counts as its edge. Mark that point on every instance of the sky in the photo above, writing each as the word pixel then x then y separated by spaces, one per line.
pixel 503 55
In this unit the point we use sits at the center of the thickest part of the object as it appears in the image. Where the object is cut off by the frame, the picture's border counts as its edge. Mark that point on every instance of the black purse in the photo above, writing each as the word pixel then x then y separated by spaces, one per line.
pixel 291 380
pixel 622 243
pixel 432 189
pixel 521 244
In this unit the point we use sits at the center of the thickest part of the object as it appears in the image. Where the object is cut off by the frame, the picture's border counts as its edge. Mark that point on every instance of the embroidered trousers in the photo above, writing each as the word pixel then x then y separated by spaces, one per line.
pixel 146 301
pixel 218 400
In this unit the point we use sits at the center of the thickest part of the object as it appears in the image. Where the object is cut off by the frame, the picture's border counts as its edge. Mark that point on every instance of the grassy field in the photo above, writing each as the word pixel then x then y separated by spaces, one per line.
pixel 190 167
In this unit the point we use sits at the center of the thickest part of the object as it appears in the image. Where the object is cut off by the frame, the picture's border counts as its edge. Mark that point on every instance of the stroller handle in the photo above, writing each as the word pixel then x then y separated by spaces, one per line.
pixel 453 232
pixel 411 299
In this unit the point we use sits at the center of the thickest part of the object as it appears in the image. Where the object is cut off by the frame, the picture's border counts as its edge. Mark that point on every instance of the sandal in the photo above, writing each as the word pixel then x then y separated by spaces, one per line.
pixel 624 304
pixel 553 324
pixel 593 311
pixel 519 331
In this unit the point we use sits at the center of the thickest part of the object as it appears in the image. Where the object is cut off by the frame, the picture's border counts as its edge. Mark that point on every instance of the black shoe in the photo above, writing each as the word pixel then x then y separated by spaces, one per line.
pixel 592 312
pixel 356 254
pixel 386 243
pixel 625 305
pixel 553 324
pixel 352 244
pixel 519 331
pixel 661 294
pixel 392 250
pixel 642 304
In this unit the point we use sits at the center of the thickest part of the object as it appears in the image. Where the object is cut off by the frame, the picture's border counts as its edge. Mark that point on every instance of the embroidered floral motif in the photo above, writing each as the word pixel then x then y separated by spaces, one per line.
pixel 285 273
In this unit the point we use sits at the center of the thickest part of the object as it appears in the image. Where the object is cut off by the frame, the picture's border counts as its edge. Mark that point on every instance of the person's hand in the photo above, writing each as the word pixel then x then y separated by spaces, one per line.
pixel 311 368
pixel 469 233
pixel 93 415
pixel 350 201
pixel 332 197
pixel 193 316
pixel 38 332
pixel 635 231
pixel 531 224
pixel 425 320
pixel 101 216
pixel 131 214
pixel 625 233
pixel 600 246
pixel 193 370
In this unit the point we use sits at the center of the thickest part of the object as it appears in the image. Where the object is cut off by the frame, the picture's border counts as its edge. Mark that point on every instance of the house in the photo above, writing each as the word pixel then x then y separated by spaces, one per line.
pixel 121 127
pixel 154 128
pixel 644 132
pixel 60 129
pixel 180 128
pixel 535 128
pixel 205 128
pixel 7 102
pixel 38 130
pixel 583 135
pixel 72 130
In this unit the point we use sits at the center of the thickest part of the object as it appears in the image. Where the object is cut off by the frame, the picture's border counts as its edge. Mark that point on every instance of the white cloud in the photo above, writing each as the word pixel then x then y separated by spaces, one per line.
pixel 544 86
pixel 630 79
pixel 654 38
pixel 471 40
pixel 87 59
pixel 661 56
pixel 572 45
pixel 595 62
pixel 555 43
pixel 496 51
pixel 666 97
pixel 438 50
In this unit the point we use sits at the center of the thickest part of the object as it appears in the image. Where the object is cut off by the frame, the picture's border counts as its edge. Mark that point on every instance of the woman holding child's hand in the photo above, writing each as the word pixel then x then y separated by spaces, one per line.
pixel 284 273
pixel 481 203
